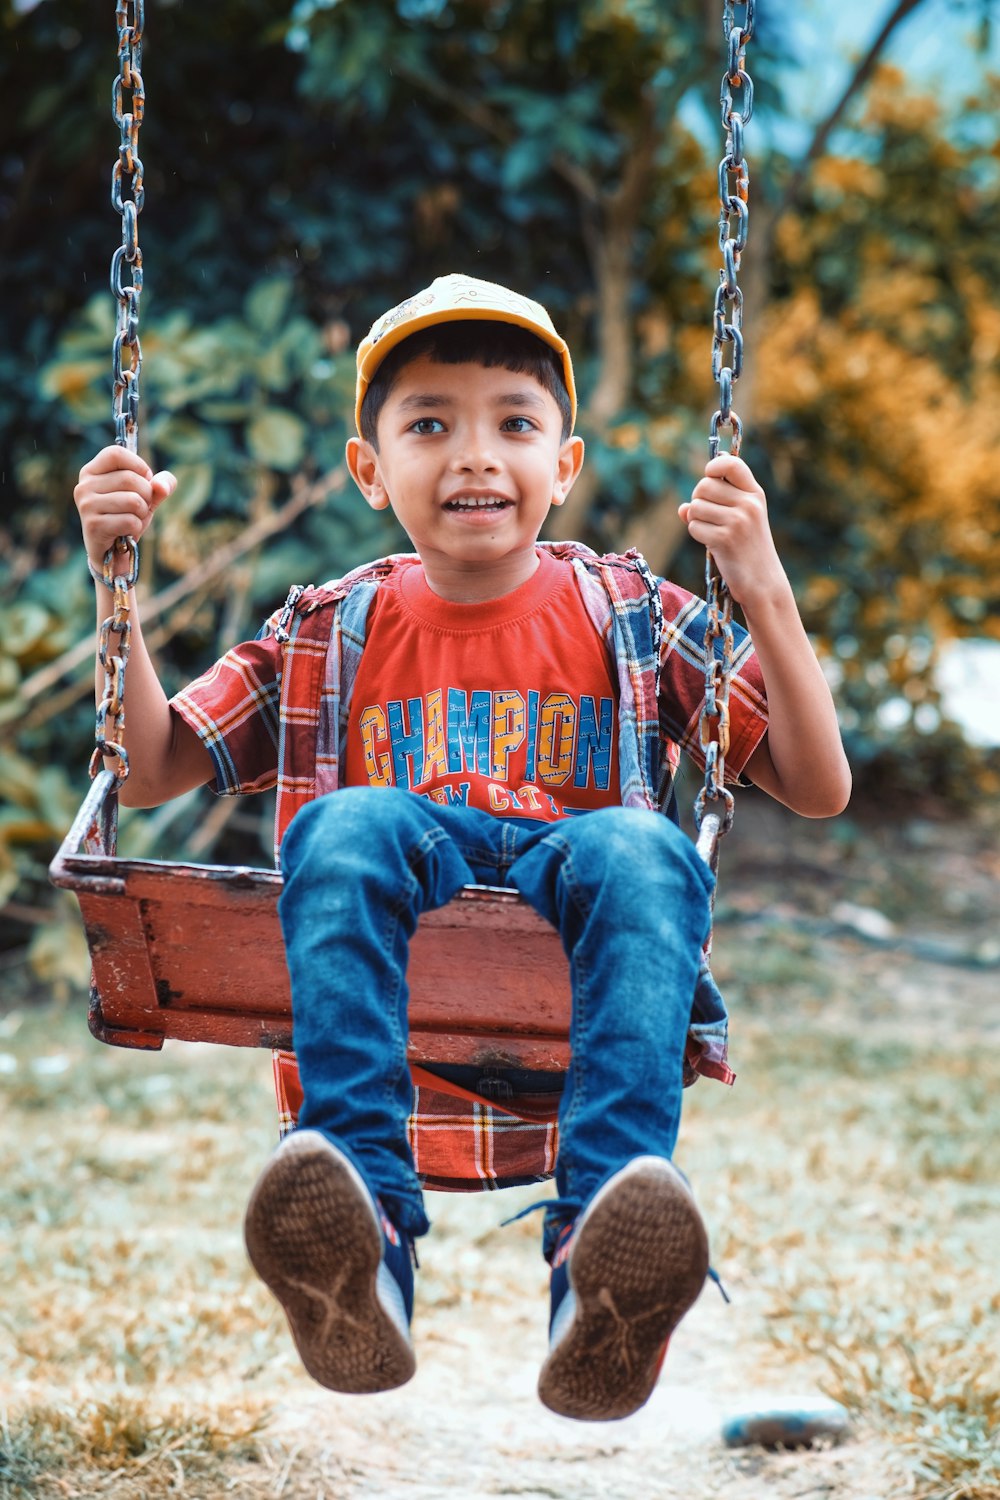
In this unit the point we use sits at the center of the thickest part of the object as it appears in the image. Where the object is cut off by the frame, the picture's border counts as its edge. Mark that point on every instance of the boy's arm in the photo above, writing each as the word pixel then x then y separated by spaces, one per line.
pixel 116 496
pixel 801 760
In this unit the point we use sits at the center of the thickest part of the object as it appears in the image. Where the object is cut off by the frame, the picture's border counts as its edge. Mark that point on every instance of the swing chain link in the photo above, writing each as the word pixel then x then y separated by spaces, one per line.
pixel 121 562
pixel 127 175
pixel 112 704
pixel 736 98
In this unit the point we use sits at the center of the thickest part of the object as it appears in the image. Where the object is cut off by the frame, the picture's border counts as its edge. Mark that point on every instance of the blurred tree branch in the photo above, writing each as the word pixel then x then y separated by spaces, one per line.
pixel 304 496
pixel 611 244
pixel 861 75
pixel 767 212
pixel 494 124
pixel 526 150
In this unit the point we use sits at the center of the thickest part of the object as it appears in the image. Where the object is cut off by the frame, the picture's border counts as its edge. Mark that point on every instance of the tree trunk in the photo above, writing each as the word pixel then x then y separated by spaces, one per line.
pixel 610 236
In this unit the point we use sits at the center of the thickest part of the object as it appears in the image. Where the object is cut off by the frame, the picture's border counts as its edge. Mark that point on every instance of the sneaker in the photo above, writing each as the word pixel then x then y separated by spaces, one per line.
pixel 623 1276
pixel 335 1262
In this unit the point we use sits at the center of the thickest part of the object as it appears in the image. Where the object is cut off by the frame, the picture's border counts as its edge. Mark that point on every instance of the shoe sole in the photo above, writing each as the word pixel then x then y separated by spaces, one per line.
pixel 313 1235
pixel 637 1264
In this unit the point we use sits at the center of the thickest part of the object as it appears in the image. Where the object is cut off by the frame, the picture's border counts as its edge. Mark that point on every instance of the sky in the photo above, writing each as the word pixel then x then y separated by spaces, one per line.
pixel 935 41
pixel 936 45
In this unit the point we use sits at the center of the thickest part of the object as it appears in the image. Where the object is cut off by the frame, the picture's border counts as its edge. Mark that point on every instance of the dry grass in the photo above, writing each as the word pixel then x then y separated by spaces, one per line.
pixel 869 1245
pixel 127 1294
pixel 850 1183
pixel 906 1317
pixel 122 1446
pixel 862 1198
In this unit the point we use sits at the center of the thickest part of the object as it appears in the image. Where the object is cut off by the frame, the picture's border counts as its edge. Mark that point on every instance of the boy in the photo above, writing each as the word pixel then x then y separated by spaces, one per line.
pixel 486 711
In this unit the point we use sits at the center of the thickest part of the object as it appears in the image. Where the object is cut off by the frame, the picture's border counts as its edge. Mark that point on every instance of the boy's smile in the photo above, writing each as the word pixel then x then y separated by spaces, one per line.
pixel 470 458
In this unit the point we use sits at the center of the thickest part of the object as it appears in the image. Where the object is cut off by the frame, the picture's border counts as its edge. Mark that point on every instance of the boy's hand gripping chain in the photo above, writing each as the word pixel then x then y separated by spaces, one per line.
pixel 734 221
pixel 125 401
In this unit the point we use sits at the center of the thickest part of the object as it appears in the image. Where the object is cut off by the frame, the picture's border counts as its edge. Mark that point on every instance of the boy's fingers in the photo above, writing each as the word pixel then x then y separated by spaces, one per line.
pixel 121 504
pixel 120 489
pixel 723 492
pixel 123 525
pixel 164 483
pixel 115 457
pixel 706 518
pixel 118 482
pixel 717 492
pixel 732 469
pixel 704 513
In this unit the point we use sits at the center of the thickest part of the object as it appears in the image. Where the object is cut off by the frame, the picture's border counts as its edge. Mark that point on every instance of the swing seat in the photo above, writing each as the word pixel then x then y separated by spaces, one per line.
pixel 194 953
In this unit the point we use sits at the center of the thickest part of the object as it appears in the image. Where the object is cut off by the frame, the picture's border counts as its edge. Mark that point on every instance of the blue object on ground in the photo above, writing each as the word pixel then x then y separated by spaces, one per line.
pixel 796 1423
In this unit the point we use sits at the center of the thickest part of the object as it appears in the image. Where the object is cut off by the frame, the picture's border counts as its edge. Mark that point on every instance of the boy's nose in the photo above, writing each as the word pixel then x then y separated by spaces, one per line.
pixel 475 454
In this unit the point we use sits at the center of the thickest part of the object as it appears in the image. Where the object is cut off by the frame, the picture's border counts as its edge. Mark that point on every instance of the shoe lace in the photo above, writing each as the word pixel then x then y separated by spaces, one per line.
pixel 568 1210
pixel 713 1275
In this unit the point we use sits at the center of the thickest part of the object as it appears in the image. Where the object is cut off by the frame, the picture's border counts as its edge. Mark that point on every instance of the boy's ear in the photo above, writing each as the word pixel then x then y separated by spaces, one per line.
pixel 362 461
pixel 568 467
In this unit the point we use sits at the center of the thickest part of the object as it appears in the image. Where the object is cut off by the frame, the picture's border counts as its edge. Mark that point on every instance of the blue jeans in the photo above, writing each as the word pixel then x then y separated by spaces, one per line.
pixel 630 899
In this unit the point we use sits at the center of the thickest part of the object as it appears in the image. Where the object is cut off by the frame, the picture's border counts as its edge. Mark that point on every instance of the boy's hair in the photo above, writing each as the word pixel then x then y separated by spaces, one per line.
pixel 469 341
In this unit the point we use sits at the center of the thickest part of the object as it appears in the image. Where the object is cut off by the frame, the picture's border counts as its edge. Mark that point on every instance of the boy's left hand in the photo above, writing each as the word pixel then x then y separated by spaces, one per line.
pixel 727 513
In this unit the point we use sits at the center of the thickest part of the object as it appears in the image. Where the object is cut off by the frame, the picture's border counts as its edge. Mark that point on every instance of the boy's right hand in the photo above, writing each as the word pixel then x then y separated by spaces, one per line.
pixel 116 496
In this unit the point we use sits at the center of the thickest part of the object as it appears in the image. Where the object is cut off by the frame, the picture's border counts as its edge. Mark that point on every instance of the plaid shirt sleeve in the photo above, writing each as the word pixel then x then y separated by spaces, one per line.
pixel 682 682
pixel 233 709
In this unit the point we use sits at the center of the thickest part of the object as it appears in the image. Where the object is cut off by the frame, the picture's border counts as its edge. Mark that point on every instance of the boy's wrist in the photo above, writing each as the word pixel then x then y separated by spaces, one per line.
pixel 775 594
pixel 123 567
pixel 97 573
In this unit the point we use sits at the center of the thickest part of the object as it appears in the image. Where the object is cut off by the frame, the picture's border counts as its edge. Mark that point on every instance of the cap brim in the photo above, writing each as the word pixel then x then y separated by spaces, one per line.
pixel 370 361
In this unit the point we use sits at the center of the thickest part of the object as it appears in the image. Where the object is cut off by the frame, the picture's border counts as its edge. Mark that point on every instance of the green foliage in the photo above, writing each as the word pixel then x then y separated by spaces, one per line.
pixel 879 413
pixel 229 401
pixel 306 166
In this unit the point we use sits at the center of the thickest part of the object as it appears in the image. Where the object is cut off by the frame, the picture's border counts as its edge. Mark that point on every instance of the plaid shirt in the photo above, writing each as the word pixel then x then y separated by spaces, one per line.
pixel 275 711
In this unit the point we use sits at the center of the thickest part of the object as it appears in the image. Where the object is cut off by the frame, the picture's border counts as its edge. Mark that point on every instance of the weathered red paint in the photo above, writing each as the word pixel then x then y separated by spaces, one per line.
pixel 195 952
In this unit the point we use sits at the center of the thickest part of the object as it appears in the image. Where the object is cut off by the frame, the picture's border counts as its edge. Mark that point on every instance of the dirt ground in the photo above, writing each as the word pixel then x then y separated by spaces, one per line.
pixel 848 1182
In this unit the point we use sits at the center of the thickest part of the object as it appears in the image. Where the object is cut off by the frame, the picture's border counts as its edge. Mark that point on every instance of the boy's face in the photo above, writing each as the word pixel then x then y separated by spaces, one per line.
pixel 470 458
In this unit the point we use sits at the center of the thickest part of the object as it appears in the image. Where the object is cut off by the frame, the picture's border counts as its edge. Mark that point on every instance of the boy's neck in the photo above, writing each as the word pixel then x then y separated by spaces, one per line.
pixel 472 583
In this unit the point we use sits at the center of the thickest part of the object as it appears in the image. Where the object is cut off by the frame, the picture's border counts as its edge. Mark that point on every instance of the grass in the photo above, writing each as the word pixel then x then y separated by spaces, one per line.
pixel 96 1446
pixel 849 1181
pixel 130 1281
pixel 861 1202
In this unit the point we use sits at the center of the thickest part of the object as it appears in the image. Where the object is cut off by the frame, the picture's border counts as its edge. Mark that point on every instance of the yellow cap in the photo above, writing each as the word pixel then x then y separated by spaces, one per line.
pixel 449 299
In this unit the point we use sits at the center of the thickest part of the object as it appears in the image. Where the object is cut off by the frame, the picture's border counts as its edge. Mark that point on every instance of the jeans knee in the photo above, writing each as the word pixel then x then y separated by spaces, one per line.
pixel 642 848
pixel 619 835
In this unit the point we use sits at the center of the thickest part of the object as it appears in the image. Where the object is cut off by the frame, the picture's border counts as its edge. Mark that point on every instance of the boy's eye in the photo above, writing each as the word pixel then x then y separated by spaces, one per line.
pixel 423 426
pixel 517 424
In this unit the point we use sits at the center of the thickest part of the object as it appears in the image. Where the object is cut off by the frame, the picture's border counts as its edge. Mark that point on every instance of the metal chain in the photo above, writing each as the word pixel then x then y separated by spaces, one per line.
pixel 112 705
pixel 121 563
pixel 127 176
pixel 736 99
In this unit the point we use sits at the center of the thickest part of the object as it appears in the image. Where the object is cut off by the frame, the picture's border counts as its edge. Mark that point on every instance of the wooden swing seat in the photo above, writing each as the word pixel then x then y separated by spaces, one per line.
pixel 194 953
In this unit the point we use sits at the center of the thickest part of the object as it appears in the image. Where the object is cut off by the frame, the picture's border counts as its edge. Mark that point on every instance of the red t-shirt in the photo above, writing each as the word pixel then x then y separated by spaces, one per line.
pixel 510 706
